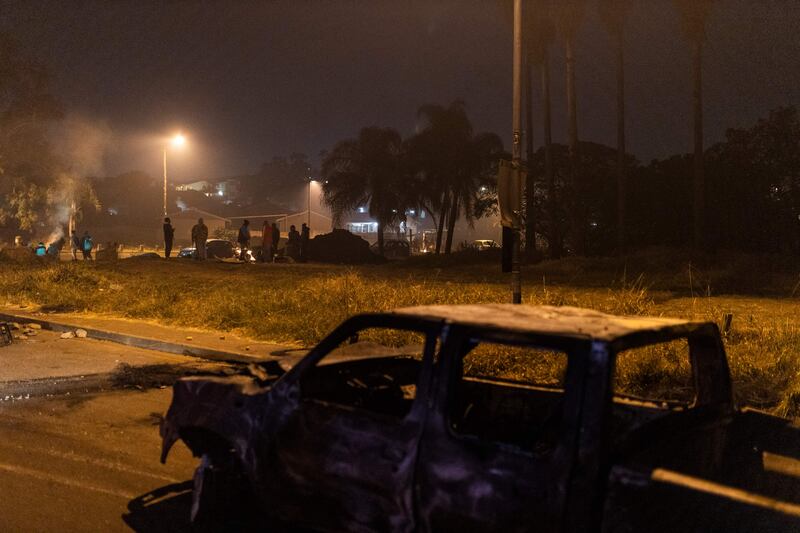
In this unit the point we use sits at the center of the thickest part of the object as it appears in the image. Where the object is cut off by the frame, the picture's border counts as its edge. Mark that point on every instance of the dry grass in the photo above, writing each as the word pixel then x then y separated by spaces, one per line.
pixel 301 303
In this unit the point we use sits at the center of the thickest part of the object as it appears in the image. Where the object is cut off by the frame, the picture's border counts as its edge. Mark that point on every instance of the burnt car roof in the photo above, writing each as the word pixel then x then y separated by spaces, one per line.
pixel 550 320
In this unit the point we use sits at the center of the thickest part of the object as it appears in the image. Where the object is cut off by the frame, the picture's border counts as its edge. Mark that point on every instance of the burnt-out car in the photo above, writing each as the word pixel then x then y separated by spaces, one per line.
pixel 493 418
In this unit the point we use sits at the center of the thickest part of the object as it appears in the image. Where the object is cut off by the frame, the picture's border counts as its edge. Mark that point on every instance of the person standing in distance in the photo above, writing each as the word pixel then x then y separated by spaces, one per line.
pixel 305 238
pixel 74 245
pixel 244 240
pixel 87 245
pixel 169 233
pixel 199 238
pixel 266 242
pixel 276 238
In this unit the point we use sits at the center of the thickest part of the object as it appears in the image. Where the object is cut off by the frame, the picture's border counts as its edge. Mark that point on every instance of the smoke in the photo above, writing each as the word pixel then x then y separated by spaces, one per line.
pixel 80 146
pixel 181 204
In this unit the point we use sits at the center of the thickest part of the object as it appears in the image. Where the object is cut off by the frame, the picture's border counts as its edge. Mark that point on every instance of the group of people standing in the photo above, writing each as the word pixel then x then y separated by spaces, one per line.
pixel 270 237
pixel 296 246
pixel 199 238
pixel 297 243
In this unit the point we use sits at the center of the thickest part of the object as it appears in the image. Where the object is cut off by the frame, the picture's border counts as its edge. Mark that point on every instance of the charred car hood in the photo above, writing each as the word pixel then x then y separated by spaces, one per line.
pixel 207 408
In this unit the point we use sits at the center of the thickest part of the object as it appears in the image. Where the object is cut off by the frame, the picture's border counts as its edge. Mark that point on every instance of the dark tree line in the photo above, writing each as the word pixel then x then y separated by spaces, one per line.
pixel 752 186
pixel 548 23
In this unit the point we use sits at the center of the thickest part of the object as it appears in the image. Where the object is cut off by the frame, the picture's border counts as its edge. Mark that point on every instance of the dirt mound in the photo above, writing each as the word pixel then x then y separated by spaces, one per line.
pixel 147 256
pixel 341 246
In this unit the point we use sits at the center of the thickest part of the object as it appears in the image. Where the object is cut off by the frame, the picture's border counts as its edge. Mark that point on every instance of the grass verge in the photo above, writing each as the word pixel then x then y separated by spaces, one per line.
pixel 301 303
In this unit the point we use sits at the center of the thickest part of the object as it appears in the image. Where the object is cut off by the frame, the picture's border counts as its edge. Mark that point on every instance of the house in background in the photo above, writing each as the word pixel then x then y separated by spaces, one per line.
pixel 199 186
pixel 227 189
pixel 359 222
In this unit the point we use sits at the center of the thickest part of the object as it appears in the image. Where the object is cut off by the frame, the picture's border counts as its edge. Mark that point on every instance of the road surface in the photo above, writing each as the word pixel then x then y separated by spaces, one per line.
pixel 79 444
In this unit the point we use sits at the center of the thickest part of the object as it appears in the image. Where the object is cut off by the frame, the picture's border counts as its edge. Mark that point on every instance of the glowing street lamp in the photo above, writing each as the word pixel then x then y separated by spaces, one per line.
pixel 177 142
pixel 310 181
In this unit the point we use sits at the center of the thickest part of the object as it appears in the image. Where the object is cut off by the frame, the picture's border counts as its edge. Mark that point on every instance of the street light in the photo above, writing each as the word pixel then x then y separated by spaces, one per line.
pixel 177 142
pixel 310 181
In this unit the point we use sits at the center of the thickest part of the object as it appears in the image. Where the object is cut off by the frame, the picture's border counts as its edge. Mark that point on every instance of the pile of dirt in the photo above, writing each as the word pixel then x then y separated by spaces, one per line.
pixel 147 256
pixel 341 246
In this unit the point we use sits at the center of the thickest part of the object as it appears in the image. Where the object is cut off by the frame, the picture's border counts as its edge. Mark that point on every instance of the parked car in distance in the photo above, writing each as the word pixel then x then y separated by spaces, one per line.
pixel 410 421
pixel 187 253
pixel 215 248
pixel 220 249
pixel 484 244
pixel 393 249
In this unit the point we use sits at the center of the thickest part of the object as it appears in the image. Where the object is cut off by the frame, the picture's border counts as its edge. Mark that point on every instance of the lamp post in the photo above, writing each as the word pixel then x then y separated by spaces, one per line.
pixel 177 141
pixel 310 181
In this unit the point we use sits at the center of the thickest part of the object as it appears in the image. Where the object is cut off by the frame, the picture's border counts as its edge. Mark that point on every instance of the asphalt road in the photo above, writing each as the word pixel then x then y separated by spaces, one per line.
pixel 79 443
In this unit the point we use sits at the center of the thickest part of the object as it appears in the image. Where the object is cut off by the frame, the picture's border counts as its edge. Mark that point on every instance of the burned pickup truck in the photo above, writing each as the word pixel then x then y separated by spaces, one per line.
pixel 493 418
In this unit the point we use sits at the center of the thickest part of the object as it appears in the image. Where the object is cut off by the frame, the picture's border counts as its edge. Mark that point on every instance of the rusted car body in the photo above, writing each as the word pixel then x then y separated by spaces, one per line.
pixel 377 440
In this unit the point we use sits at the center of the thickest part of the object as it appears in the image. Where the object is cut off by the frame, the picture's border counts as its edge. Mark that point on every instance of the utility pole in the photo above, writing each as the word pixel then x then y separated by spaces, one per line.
pixel 516 150
pixel 310 181
pixel 165 181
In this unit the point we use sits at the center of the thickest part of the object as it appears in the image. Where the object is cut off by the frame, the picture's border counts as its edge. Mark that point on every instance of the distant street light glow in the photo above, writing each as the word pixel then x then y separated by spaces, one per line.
pixel 179 140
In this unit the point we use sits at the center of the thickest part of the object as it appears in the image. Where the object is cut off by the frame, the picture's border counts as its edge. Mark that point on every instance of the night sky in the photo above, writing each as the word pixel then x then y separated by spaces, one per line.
pixel 250 80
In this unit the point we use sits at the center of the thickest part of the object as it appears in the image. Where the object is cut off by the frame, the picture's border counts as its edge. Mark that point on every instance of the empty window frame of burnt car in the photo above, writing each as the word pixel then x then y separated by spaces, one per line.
pixel 497 449
pixel 507 393
pixel 662 380
pixel 374 370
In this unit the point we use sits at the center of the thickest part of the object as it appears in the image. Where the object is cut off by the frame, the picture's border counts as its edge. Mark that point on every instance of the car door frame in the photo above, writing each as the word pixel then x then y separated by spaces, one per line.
pixel 399 489
pixel 439 434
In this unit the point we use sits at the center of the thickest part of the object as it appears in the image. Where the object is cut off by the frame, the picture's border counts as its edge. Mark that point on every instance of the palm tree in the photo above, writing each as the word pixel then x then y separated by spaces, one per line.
pixel 694 14
pixel 613 13
pixel 366 171
pixel 539 36
pixel 453 164
pixel 438 145
pixel 570 15
pixel 477 166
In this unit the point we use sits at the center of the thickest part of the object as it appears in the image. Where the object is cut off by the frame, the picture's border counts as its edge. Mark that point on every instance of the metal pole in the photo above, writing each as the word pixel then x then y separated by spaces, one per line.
pixel 309 205
pixel 516 148
pixel 165 181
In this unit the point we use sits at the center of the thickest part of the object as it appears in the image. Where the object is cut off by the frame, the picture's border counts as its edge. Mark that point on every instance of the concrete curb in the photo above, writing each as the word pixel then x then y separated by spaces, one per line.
pixel 141 342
